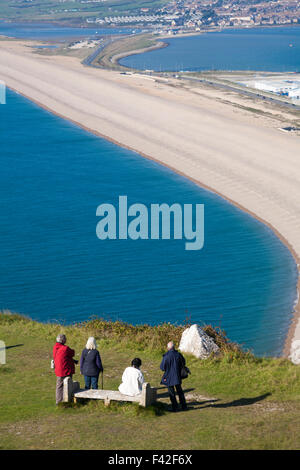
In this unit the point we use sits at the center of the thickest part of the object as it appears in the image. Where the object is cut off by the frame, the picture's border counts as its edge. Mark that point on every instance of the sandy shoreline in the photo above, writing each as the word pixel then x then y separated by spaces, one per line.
pixel 241 156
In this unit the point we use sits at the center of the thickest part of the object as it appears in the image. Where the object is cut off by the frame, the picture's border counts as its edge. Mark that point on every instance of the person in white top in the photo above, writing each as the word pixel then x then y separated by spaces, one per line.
pixel 132 379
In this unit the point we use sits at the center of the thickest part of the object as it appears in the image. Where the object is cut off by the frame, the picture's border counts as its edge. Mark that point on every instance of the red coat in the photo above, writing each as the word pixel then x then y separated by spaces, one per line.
pixel 64 364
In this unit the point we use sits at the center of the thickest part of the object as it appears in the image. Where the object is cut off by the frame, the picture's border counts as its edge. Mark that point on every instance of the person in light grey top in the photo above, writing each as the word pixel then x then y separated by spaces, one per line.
pixel 132 379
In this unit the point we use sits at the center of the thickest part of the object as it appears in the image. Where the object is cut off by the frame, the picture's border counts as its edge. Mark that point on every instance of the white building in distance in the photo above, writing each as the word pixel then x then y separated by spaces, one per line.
pixel 290 88
pixel 295 94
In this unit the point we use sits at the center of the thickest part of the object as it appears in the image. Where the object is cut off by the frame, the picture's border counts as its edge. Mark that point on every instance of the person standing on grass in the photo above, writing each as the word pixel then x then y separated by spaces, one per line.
pixel 64 365
pixel 90 364
pixel 172 364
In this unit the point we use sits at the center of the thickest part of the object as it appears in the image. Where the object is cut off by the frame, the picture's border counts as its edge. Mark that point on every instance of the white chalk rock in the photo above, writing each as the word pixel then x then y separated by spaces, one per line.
pixel 295 352
pixel 195 341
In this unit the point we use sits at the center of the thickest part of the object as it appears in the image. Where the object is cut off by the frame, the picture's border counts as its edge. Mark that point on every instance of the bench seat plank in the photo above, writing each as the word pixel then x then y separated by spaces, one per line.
pixel 73 390
pixel 103 394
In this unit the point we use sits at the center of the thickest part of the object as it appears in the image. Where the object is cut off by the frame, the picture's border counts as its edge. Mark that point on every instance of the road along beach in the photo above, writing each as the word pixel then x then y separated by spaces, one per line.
pixel 239 154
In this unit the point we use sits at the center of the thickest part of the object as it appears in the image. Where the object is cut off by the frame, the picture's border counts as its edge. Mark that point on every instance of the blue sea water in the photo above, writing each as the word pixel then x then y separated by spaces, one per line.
pixel 269 49
pixel 53 267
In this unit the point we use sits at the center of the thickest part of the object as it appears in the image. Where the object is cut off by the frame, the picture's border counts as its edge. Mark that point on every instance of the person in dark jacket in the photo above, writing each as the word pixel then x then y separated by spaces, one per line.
pixel 63 364
pixel 171 364
pixel 90 364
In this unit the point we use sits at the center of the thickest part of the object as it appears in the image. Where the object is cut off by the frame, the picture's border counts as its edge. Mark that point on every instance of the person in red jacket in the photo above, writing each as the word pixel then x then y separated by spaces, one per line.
pixel 63 364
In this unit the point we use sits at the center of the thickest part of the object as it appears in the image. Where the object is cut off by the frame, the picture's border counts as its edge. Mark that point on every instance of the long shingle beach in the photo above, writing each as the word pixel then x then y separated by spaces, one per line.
pixel 240 155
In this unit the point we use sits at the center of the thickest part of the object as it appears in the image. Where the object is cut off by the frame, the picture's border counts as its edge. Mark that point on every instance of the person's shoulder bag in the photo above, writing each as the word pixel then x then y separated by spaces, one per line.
pixel 184 371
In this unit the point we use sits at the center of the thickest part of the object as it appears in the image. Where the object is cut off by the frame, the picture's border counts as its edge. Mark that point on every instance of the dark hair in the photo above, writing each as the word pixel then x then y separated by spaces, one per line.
pixel 136 362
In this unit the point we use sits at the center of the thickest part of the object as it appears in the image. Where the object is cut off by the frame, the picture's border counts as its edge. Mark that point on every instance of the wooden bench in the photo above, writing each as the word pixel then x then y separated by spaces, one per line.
pixel 72 391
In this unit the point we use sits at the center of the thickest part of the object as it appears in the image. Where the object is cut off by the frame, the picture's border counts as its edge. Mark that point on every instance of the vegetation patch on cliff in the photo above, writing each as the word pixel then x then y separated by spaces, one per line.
pixel 236 400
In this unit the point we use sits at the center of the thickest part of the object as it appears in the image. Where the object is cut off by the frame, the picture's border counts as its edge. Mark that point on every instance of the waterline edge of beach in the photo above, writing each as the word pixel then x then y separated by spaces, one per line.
pixel 294 329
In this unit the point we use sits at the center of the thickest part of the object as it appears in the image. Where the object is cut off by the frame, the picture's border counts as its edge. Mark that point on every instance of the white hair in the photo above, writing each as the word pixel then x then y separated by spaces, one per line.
pixel 170 345
pixel 61 338
pixel 91 343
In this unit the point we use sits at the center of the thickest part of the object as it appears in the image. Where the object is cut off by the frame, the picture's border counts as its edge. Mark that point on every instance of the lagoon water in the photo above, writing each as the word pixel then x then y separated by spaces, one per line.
pixel 270 49
pixel 54 268
pixel 44 31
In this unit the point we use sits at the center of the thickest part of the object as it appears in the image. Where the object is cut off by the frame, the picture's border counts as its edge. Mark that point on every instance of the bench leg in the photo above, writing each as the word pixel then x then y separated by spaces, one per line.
pixel 106 401
pixel 67 390
pixel 148 396
pixel 145 394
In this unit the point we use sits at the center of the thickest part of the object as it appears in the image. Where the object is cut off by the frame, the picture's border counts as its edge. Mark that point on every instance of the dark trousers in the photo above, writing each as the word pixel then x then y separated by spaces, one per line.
pixel 91 382
pixel 172 395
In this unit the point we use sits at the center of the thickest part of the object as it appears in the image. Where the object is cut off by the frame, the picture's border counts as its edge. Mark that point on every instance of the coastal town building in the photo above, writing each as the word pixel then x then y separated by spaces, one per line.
pixel 191 14
pixel 186 14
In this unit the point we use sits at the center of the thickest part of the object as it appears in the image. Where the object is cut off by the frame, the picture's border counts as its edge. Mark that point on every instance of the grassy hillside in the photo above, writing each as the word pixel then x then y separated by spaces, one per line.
pixel 237 401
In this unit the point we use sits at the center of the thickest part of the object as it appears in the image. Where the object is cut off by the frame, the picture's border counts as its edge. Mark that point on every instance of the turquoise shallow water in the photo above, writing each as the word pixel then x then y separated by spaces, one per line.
pixel 271 49
pixel 53 267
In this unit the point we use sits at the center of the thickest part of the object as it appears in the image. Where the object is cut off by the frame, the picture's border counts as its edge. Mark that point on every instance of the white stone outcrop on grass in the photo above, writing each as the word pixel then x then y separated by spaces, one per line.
pixel 195 341
pixel 295 352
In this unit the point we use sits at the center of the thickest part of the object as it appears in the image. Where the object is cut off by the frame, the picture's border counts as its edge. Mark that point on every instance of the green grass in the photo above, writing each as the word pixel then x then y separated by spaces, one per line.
pixel 238 401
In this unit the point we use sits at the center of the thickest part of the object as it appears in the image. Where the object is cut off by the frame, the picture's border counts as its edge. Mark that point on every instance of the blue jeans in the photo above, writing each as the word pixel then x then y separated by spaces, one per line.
pixel 91 382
